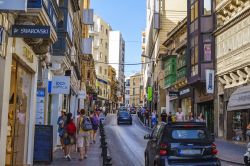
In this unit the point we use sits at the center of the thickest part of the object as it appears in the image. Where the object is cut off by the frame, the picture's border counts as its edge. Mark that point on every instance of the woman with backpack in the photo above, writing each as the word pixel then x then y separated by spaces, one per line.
pixel 69 136
pixel 95 125
pixel 84 126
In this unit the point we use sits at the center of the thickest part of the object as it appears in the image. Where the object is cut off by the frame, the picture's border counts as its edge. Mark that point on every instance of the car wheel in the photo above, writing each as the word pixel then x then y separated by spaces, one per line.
pixel 146 160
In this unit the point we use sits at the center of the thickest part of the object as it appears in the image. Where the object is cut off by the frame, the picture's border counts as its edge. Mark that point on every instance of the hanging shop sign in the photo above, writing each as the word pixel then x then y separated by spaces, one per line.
pixel 13 5
pixel 82 94
pixel 40 106
pixel 60 85
pixel 30 31
pixel 173 94
pixel 184 91
pixel 209 81
pixel 150 93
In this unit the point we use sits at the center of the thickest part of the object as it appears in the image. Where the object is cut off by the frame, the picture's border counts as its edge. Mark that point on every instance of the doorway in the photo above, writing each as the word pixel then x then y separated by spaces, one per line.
pixel 207 109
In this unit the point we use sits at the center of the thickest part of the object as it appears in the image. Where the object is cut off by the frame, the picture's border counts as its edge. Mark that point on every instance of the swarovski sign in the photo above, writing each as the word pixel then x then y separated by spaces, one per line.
pixel 60 85
pixel 30 31
pixel 13 5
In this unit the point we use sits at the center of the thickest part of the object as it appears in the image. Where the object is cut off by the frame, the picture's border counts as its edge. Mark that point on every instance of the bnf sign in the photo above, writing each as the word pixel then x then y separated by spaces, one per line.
pixel 60 85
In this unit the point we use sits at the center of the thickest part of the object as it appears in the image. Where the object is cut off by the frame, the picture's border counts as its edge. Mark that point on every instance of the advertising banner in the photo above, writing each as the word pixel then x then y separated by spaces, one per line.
pixel 210 81
pixel 60 85
pixel 82 94
pixel 40 105
pixel 13 5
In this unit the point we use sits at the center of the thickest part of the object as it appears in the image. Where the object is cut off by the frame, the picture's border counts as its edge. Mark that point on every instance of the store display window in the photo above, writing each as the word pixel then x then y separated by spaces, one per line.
pixel 19 102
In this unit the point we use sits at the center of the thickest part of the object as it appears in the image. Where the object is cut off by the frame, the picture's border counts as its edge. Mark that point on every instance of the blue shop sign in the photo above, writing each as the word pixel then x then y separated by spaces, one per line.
pixel 30 31
pixel 40 92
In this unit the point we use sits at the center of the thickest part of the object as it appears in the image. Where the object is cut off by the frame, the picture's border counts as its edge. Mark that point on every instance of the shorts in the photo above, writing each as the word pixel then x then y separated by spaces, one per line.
pixel 83 139
pixel 69 139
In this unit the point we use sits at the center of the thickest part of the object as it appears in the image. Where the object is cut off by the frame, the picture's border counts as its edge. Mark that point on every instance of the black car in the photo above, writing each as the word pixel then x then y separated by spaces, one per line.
pixel 124 117
pixel 181 143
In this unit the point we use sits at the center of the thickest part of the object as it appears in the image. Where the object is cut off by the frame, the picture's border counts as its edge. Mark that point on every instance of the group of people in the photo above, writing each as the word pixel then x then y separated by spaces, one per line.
pixel 80 132
pixel 180 117
pixel 150 118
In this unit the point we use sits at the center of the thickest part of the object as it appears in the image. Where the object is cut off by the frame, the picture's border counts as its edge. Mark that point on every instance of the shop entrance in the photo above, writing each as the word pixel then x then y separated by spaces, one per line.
pixel 19 103
pixel 207 109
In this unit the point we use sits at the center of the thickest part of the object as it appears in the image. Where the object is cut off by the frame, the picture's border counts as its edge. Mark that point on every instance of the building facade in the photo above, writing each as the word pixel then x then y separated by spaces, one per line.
pixel 100 31
pixel 127 92
pixel 135 90
pixel 162 17
pixel 175 70
pixel 113 83
pixel 232 38
pixel 200 58
pixel 117 59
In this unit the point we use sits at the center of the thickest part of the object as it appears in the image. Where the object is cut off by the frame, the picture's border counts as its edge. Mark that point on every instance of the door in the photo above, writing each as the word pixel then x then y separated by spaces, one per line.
pixel 19 103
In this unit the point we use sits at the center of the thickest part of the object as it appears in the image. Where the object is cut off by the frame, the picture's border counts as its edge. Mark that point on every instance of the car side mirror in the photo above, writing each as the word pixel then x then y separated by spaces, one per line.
pixel 213 137
pixel 148 136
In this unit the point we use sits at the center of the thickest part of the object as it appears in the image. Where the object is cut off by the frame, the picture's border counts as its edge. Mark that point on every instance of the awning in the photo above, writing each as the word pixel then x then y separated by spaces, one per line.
pixel 240 99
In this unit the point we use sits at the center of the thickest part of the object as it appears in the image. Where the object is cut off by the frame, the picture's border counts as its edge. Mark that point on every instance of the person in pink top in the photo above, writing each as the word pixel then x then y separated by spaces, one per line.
pixel 179 115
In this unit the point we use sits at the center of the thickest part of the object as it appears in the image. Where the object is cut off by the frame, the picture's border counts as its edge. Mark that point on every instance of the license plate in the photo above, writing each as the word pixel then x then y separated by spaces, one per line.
pixel 190 152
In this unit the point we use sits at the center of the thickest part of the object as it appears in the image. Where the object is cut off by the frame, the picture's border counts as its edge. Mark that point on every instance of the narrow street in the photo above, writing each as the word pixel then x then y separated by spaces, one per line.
pixel 126 143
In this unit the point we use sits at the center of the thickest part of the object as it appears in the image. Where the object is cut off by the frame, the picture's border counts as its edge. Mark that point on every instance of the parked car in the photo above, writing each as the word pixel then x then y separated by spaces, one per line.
pixel 247 154
pixel 124 117
pixel 181 143
pixel 132 110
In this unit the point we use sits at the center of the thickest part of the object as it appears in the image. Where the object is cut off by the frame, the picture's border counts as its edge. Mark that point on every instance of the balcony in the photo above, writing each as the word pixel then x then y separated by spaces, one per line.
pixel 88 17
pixel 41 12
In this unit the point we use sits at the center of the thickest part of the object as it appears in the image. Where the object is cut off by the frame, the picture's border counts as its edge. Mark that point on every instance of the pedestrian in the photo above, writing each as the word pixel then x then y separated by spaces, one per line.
pixel 95 125
pixel 170 120
pixel 147 117
pixel 191 116
pixel 179 115
pixel 61 122
pixel 201 117
pixel 153 119
pixel 69 135
pixel 83 127
pixel 164 116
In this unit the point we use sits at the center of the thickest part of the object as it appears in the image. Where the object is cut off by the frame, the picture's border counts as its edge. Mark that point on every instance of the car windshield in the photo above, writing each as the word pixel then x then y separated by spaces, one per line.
pixel 181 134
pixel 123 113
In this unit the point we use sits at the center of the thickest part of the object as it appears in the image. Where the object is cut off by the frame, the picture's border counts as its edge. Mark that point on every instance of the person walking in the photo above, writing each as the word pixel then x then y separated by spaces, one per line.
pixel 170 117
pixel 61 122
pixel 164 116
pixel 179 115
pixel 153 119
pixel 83 133
pixel 69 135
pixel 95 125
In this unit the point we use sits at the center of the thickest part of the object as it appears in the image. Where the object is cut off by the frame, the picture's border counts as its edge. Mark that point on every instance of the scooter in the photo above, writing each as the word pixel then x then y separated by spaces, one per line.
pixel 247 154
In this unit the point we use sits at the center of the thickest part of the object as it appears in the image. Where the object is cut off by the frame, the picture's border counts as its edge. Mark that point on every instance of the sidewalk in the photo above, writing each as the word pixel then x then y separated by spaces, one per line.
pixel 230 151
pixel 94 156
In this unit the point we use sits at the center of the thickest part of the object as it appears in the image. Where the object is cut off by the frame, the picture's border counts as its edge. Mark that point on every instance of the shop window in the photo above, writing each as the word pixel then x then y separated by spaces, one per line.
pixel 19 102
pixel 207 7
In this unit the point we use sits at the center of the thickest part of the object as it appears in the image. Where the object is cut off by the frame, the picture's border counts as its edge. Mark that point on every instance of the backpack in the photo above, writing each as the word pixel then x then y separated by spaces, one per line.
pixel 71 128
pixel 86 124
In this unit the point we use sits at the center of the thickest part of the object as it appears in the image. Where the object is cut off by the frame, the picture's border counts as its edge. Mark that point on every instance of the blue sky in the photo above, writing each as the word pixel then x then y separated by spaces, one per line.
pixel 129 17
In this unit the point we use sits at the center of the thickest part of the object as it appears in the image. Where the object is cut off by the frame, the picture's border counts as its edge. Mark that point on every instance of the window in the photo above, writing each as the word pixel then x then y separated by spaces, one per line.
pixel 188 134
pixel 194 11
pixel 106 59
pixel 100 70
pixel 70 27
pixel 101 41
pixel 100 55
pixel 207 7
pixel 107 32
pixel 101 27
pixel 133 91
pixel 106 45
pixel 194 70
pixel 105 71
pixel 207 52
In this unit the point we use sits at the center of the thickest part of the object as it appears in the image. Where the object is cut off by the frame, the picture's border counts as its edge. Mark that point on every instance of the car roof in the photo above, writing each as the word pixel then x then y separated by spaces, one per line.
pixel 185 124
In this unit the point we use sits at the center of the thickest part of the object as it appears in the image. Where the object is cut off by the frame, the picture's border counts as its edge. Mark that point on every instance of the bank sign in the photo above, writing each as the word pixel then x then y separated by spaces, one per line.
pixel 30 31
pixel 60 85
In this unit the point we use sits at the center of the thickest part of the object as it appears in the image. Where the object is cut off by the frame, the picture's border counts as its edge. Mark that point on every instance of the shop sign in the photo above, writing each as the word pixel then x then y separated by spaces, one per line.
pixel 27 53
pixel 60 85
pixel 13 5
pixel 82 94
pixel 184 91
pixel 209 81
pixel 31 31
pixel 173 94
pixel 40 105
pixel 150 93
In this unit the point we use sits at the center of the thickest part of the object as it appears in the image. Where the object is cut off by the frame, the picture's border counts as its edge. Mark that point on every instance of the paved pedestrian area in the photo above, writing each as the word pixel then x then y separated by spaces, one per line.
pixel 230 151
pixel 94 157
